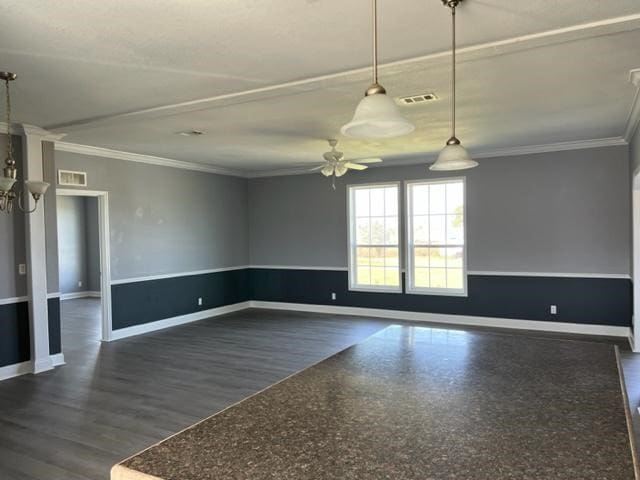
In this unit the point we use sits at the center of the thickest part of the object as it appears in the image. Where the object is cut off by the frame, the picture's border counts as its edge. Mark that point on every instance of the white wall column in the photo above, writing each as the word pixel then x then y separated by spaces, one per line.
pixel 32 169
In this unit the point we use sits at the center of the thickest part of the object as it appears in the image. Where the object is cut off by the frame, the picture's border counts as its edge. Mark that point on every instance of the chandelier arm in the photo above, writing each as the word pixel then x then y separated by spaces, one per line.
pixel 20 195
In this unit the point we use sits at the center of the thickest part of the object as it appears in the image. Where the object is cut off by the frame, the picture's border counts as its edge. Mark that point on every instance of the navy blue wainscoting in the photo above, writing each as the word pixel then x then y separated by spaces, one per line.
pixel 142 302
pixel 599 301
pixel 14 333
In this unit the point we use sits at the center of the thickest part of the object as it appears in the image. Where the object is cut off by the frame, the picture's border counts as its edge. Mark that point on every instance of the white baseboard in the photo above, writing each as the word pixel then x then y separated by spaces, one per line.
pixel 74 295
pixel 495 322
pixel 18 369
pixel 175 321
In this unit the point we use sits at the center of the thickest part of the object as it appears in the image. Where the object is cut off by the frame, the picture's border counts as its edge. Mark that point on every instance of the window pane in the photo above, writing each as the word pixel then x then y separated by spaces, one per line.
pixel 363 232
pixel 454 257
pixel 363 275
pixel 420 198
pixel 421 257
pixel 377 257
pixel 455 198
pixel 438 277
pixel 377 276
pixel 362 203
pixel 437 230
pixel 391 257
pixel 391 201
pixel 391 277
pixel 362 256
pixel 377 202
pixel 455 230
pixel 454 278
pixel 377 231
pixel 421 230
pixel 437 257
pixel 391 231
pixel 437 196
pixel 421 278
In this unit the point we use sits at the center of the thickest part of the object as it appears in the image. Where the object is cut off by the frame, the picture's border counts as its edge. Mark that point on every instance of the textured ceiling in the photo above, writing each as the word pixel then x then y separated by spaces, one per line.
pixel 558 72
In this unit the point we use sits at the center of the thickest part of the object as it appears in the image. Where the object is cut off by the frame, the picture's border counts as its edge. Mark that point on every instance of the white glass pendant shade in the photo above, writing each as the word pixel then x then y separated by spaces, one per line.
pixel 6 183
pixel 453 157
pixel 36 188
pixel 377 116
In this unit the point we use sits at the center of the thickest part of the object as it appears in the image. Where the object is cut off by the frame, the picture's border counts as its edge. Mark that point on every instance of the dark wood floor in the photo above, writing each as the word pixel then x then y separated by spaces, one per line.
pixel 112 400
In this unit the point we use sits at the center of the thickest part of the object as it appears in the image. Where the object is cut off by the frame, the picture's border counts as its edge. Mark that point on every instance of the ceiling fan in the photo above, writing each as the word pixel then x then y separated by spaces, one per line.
pixel 336 165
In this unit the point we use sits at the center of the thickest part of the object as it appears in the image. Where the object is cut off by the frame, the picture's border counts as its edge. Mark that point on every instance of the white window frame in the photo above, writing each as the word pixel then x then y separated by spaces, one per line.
pixel 408 222
pixel 353 286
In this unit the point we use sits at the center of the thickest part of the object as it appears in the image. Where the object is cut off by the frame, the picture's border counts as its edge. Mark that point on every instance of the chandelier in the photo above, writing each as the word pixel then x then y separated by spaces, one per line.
pixel 10 172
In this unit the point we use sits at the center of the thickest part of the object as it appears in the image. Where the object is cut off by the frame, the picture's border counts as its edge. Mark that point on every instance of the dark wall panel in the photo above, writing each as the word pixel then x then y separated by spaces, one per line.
pixel 55 335
pixel 14 334
pixel 579 300
pixel 143 302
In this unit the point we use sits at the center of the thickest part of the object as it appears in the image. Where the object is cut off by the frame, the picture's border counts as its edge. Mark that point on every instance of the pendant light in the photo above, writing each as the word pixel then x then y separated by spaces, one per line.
pixel 10 172
pixel 377 115
pixel 453 156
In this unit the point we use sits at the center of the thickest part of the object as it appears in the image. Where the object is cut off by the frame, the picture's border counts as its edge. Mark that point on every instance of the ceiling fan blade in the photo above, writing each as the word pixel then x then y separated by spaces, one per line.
pixel 367 160
pixel 314 169
pixel 355 166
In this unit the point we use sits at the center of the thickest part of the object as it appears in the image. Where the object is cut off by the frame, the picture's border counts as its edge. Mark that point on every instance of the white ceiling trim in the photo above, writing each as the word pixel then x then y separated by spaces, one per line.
pixel 634 114
pixel 148 159
pixel 484 50
pixel 429 157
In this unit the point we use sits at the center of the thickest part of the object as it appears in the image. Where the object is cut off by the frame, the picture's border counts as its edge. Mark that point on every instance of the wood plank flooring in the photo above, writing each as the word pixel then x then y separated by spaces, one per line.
pixel 112 400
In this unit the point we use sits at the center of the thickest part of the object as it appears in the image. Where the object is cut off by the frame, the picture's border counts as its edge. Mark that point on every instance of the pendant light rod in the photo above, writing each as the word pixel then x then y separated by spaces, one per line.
pixel 452 4
pixel 375 41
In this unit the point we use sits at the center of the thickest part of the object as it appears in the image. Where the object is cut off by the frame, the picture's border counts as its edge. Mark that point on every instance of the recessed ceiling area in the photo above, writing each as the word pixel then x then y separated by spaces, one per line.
pixel 269 82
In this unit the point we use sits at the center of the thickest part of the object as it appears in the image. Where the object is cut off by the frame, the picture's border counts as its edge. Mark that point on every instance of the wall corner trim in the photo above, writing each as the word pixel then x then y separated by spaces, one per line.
pixel 633 120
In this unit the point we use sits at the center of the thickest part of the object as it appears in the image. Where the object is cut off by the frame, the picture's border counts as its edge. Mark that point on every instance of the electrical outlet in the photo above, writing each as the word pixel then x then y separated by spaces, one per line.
pixel 554 309
pixel 80 283
pixel 333 295
pixel 22 269
pixel 199 301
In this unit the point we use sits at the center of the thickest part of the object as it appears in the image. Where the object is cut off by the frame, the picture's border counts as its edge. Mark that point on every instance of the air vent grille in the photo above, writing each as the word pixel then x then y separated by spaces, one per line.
pixel 417 99
pixel 71 178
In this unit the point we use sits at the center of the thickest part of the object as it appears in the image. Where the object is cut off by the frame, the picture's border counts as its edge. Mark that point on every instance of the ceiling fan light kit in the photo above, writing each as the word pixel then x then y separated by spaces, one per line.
pixel 453 156
pixel 377 115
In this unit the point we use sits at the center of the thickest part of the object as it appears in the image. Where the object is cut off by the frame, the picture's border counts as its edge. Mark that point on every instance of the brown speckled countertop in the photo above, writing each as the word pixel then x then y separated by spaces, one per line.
pixel 418 403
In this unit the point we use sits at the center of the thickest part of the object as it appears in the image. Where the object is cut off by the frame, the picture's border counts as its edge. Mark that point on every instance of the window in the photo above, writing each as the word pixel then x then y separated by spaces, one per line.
pixel 436 253
pixel 374 244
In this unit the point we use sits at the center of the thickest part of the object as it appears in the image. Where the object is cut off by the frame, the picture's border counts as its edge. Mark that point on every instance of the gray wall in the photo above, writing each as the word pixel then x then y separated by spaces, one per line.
pixel 12 235
pixel 79 249
pixel 51 227
pixel 167 220
pixel 634 151
pixel 72 244
pixel 561 212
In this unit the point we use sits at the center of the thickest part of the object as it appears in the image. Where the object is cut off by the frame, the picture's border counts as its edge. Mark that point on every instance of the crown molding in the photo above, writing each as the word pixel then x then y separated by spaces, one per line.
pixel 634 114
pixel 31 130
pixel 141 158
pixel 428 157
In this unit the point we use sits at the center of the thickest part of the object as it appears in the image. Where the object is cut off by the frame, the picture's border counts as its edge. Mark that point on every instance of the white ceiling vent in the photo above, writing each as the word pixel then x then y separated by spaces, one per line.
pixel 72 179
pixel 191 133
pixel 416 99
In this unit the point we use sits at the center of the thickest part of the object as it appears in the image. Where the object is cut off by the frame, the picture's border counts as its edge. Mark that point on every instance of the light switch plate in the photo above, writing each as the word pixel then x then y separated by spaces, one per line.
pixel 22 269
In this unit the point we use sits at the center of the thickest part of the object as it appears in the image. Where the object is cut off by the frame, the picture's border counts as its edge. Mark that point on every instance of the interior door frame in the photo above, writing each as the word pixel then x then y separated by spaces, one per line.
pixel 105 253
pixel 635 267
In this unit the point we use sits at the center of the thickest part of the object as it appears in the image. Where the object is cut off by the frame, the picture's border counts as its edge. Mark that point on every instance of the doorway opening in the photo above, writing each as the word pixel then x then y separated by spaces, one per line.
pixel 84 268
